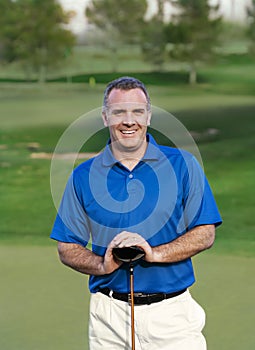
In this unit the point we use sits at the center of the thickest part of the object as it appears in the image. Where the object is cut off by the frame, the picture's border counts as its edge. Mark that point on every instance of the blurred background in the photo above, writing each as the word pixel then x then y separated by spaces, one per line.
pixel 197 59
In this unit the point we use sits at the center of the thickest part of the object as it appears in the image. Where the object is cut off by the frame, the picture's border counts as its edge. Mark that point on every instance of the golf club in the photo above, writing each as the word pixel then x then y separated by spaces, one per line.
pixel 130 254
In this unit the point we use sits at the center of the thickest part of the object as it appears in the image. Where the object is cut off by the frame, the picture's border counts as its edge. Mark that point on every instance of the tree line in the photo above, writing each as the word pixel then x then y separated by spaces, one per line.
pixel 34 32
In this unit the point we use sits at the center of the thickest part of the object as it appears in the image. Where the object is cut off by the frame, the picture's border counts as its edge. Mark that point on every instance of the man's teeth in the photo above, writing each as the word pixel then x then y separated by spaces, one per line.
pixel 128 131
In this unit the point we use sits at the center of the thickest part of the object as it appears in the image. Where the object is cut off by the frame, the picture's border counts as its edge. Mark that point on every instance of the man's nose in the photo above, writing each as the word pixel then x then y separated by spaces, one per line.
pixel 129 118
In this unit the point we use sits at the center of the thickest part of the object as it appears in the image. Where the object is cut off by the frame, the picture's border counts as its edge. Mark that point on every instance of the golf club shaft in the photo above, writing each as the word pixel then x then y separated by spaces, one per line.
pixel 132 306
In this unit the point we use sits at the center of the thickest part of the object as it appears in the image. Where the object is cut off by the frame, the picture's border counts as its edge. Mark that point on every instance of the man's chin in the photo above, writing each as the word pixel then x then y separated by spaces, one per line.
pixel 129 144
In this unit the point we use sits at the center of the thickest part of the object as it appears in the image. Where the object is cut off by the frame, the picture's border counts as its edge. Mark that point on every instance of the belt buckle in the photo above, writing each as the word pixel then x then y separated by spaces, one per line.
pixel 136 295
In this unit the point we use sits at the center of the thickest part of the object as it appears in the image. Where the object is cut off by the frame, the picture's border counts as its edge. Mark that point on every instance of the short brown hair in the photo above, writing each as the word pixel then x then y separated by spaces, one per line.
pixel 125 83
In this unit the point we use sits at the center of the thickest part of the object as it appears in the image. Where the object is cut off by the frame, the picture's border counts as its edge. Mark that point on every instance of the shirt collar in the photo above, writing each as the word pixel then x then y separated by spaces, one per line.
pixel 152 152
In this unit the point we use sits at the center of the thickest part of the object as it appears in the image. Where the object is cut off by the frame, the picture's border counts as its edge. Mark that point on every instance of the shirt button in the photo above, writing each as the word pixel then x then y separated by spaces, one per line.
pixel 131 176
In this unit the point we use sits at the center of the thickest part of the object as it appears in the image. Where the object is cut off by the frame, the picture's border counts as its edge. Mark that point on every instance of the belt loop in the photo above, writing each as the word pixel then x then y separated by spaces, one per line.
pixel 111 293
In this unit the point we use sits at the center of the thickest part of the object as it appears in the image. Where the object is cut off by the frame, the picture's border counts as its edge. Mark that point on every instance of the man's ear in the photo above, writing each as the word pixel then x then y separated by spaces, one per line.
pixel 149 118
pixel 104 117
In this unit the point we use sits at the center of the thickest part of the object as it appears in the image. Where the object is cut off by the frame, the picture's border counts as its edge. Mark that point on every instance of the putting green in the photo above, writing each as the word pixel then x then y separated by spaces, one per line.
pixel 44 305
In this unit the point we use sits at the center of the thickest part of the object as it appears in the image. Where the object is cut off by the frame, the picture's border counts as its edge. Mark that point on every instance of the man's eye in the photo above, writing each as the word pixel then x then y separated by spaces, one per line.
pixel 118 113
pixel 139 112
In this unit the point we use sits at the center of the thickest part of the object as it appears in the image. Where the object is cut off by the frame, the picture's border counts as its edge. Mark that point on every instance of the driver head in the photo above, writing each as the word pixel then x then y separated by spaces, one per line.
pixel 128 254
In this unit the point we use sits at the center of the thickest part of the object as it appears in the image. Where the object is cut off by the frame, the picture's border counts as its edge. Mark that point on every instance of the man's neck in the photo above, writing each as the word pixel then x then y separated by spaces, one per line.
pixel 130 158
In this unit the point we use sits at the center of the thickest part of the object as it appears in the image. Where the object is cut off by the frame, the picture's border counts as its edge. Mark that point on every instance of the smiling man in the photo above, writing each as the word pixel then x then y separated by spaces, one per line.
pixel 127 113
pixel 138 193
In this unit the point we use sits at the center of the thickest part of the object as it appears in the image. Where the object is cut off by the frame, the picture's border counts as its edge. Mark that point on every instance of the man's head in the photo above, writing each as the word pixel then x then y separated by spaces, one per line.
pixel 127 113
pixel 125 84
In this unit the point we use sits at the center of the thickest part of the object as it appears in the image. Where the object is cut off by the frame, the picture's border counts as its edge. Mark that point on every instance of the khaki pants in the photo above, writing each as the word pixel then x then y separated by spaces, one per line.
pixel 172 324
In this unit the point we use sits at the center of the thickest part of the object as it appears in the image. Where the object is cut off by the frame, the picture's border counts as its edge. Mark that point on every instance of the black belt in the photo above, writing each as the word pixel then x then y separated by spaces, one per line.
pixel 141 298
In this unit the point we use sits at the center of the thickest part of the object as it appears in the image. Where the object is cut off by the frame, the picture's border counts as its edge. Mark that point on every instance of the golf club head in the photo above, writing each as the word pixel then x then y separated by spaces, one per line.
pixel 128 254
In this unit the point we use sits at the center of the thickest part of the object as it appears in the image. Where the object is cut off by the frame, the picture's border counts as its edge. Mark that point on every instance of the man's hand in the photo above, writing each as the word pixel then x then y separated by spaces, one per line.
pixel 109 263
pixel 128 239
pixel 191 243
pixel 85 261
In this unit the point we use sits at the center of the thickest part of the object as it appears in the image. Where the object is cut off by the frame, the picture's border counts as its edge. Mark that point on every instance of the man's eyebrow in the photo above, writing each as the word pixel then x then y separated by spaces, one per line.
pixel 118 110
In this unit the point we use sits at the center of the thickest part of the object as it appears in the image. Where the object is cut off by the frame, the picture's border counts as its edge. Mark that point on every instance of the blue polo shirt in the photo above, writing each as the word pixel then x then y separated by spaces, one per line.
pixel 163 197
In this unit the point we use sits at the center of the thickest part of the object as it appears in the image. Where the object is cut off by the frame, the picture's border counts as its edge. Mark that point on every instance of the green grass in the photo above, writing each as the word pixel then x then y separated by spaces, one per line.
pixel 44 305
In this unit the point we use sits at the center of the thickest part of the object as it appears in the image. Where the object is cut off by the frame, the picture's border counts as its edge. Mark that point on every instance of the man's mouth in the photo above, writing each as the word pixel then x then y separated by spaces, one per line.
pixel 128 132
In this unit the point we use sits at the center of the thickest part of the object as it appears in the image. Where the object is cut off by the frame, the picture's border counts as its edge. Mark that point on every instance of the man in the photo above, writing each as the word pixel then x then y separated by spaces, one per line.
pixel 138 193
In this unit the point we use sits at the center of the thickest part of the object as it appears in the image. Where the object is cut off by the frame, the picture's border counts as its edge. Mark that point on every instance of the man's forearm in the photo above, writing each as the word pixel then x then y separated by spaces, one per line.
pixel 186 246
pixel 80 259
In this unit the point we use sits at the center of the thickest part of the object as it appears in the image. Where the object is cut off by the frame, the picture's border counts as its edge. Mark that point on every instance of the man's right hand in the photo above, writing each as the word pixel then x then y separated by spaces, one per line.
pixel 85 261
pixel 109 263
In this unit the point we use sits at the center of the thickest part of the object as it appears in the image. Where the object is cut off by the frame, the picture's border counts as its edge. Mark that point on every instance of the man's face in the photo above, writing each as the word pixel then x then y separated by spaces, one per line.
pixel 127 118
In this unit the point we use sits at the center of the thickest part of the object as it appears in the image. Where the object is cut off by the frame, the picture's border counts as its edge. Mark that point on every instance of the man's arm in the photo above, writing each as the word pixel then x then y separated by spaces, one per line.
pixel 191 243
pixel 85 261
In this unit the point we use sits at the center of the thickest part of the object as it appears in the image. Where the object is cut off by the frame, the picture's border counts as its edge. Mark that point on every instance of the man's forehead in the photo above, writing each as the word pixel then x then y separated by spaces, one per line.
pixel 127 105
pixel 132 95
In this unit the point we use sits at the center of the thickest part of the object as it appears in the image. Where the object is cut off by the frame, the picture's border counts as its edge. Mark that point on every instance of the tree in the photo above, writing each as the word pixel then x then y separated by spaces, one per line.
pixel 193 33
pixel 153 38
pixel 153 43
pixel 251 26
pixel 32 32
pixel 121 21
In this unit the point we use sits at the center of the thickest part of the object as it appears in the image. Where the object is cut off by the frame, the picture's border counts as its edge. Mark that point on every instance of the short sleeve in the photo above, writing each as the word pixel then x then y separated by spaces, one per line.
pixel 200 207
pixel 71 224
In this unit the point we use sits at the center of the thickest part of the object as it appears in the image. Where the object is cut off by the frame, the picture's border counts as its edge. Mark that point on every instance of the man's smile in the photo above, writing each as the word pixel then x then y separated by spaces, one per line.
pixel 128 132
